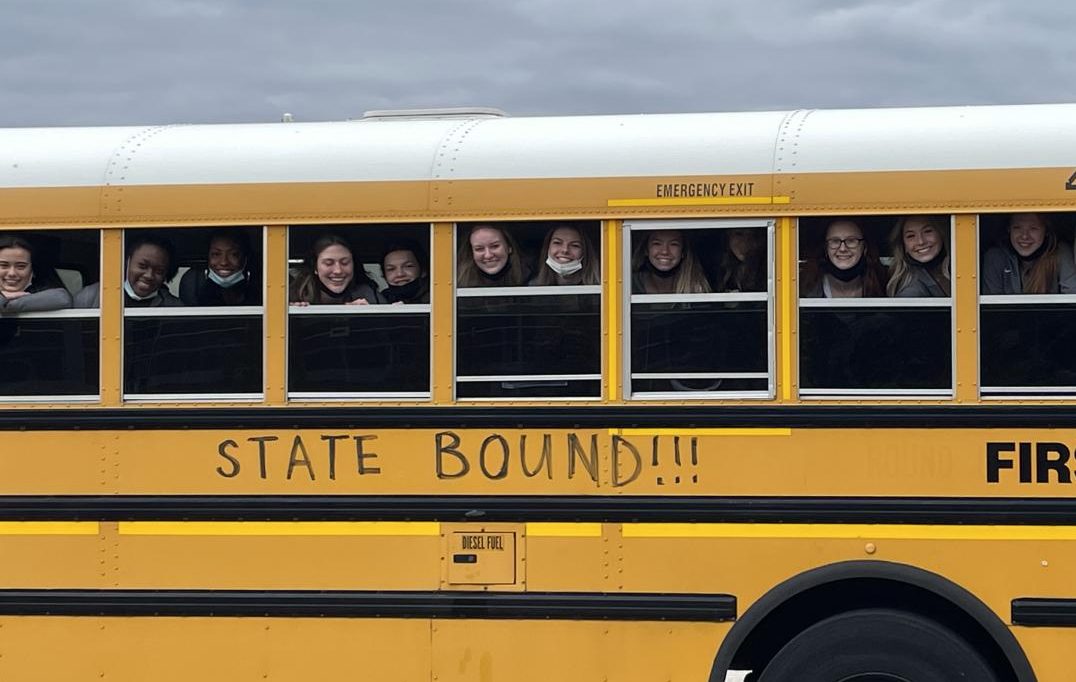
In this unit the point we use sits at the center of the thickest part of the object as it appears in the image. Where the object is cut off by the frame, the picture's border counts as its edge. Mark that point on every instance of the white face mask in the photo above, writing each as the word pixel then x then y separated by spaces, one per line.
pixel 564 269
pixel 130 292
pixel 229 281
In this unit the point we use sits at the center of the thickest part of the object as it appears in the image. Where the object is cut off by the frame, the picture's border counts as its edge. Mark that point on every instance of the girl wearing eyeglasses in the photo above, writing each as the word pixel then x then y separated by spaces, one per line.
pixel 846 268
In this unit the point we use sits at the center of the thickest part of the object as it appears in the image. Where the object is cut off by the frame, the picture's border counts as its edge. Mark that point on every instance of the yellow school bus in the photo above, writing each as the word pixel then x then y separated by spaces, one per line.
pixel 669 406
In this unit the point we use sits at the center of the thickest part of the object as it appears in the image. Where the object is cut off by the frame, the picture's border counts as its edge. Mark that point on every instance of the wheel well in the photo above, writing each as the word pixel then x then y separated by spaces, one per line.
pixel 811 597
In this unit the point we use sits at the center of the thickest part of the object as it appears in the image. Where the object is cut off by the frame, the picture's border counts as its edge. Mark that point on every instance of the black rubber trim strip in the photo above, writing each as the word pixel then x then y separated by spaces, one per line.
pixel 552 417
pixel 1044 611
pixel 348 604
pixel 618 509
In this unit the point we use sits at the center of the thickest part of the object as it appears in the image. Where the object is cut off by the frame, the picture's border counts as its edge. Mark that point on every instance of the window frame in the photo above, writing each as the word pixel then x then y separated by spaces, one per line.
pixel 300 397
pixel 1003 393
pixel 769 296
pixel 70 313
pixel 524 290
pixel 190 311
pixel 823 394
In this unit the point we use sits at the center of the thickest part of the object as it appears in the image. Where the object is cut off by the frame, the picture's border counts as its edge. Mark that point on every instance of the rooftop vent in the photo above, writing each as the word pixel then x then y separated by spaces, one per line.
pixel 444 113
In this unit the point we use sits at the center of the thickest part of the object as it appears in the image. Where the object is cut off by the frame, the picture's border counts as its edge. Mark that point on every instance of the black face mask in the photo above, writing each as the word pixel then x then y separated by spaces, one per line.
pixel 849 274
pixel 405 292
pixel 496 276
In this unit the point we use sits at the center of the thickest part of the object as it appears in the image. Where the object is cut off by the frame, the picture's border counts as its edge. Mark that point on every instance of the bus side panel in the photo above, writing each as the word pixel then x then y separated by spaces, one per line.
pixel 538 651
pixel 43 649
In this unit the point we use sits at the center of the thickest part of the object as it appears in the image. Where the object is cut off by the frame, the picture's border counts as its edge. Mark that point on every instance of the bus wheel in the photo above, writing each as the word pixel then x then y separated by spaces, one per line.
pixel 877 645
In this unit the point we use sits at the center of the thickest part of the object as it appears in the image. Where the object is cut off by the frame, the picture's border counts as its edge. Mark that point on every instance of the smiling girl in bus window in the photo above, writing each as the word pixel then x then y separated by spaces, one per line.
pixel 920 266
pixel 22 289
pixel 847 267
pixel 151 263
pixel 1031 261
pixel 227 278
pixel 489 257
pixel 664 263
pixel 570 259
pixel 403 267
pixel 329 277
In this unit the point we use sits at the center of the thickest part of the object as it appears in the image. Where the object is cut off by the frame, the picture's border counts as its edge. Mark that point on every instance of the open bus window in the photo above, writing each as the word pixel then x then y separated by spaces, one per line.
pixel 192 313
pixel 359 312
pixel 1027 304
pixel 876 306
pixel 49 350
pixel 528 310
pixel 701 308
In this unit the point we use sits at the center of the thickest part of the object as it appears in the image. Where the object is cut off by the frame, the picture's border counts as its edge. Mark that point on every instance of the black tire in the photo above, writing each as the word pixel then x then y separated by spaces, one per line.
pixel 878 645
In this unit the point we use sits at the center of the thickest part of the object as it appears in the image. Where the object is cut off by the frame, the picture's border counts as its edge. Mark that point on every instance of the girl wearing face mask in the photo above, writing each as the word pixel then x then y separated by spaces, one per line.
pixel 227 278
pixel 151 263
pixel 664 263
pixel 1031 261
pixel 920 258
pixel 847 267
pixel 489 257
pixel 405 275
pixel 569 259
pixel 22 288
pixel 330 276
pixel 743 264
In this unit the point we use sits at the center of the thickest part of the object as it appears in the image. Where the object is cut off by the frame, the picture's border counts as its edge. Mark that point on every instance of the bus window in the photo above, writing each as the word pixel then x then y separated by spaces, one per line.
pixel 876 306
pixel 359 313
pixel 48 349
pixel 528 310
pixel 1028 297
pixel 701 308
pixel 192 314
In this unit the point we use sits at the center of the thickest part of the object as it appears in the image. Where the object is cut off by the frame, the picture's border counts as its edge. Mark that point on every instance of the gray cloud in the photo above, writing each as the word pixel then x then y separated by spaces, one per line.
pixel 77 62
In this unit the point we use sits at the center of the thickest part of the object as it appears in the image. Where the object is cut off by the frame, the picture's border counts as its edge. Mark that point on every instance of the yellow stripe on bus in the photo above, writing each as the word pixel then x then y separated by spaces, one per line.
pixel 702 201
pixel 49 528
pixel 849 531
pixel 700 432
pixel 280 528
pixel 564 530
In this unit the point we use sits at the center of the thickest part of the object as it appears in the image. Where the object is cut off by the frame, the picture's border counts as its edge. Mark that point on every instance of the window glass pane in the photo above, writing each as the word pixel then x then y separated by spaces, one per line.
pixel 699 337
pixel 564 253
pixel 193 355
pixel 367 353
pixel 1027 253
pixel 687 343
pixel 545 343
pixel 49 356
pixel 359 353
pixel 339 264
pixel 1028 345
pixel 44 350
pixel 528 335
pixel 875 348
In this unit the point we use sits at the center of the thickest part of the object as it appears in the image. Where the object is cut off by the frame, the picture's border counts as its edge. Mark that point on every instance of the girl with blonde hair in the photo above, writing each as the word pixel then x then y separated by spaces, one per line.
pixel 664 263
pixel 920 265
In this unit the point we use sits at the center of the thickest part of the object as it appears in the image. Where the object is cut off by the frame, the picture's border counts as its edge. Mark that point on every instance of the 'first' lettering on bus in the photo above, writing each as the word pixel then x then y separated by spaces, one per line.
pixel 1039 462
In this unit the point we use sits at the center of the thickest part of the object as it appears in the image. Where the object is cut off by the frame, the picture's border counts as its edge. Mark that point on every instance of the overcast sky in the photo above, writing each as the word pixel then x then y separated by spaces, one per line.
pixel 105 62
